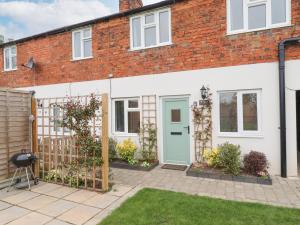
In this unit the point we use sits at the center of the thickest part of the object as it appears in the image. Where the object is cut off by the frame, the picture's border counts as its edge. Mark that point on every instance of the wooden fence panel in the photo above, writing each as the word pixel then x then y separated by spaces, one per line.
pixel 15 109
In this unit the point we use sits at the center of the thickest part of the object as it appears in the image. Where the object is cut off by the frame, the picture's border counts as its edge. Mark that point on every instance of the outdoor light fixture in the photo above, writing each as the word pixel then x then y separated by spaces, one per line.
pixel 204 93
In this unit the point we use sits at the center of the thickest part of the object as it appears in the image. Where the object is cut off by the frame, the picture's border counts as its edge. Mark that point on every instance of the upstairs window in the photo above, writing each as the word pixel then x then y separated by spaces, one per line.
pixel 251 15
pixel 10 58
pixel 82 43
pixel 126 116
pixel 150 29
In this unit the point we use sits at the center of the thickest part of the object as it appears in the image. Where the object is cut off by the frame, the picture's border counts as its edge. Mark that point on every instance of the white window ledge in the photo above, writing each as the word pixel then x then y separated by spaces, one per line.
pixel 11 70
pixel 239 135
pixel 79 59
pixel 230 33
pixel 125 134
pixel 154 46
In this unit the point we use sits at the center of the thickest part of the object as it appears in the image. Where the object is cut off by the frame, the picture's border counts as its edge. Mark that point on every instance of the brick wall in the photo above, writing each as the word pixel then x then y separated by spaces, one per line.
pixel 125 5
pixel 199 41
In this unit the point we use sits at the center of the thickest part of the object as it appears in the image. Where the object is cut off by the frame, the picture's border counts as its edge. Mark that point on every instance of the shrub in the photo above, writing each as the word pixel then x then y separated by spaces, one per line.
pixel 112 149
pixel 126 150
pixel 212 157
pixel 230 158
pixel 255 163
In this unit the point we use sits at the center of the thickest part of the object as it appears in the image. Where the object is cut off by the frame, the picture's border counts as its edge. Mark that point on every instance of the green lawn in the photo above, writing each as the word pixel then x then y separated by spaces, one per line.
pixel 156 207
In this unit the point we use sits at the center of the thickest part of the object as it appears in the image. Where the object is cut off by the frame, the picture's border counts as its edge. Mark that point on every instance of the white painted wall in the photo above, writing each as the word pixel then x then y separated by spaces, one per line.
pixel 255 76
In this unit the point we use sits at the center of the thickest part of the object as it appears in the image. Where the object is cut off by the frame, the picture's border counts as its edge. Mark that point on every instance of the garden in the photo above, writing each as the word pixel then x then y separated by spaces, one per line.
pixel 128 155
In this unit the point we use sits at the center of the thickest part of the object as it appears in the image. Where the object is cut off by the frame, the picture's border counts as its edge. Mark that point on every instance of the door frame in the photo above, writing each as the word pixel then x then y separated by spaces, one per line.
pixel 161 126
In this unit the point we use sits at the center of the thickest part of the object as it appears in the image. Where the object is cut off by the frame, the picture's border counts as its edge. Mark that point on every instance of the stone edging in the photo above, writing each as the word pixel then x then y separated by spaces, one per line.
pixel 116 164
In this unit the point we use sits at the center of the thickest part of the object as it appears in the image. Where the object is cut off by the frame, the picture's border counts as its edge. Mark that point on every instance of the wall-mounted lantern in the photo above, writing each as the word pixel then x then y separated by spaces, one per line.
pixel 204 93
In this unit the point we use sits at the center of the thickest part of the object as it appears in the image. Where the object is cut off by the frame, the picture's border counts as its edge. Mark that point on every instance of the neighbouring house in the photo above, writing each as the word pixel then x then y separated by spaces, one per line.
pixel 168 51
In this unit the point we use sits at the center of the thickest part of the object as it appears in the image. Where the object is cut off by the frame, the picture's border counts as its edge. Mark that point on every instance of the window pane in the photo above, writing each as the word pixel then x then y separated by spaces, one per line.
pixel 133 122
pixel 149 18
pixel 56 118
pixel 250 111
pixel 228 112
pixel 257 16
pixel 136 32
pixel 13 50
pixel 278 11
pixel 14 62
pixel 164 27
pixel 150 36
pixel 6 53
pixel 87 33
pixel 87 45
pixel 133 104
pixel 175 114
pixel 236 14
pixel 119 116
pixel 77 44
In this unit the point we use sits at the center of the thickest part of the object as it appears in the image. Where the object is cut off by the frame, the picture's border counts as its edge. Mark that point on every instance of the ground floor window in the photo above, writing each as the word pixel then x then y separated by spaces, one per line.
pixel 239 112
pixel 126 115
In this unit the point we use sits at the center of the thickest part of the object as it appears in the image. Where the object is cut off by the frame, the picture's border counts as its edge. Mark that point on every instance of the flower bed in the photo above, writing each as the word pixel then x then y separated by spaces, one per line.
pixel 204 171
pixel 121 164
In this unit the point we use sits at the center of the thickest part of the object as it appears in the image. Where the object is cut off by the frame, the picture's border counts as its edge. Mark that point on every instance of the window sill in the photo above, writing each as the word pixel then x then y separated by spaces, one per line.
pixel 12 70
pixel 150 47
pixel 125 135
pixel 79 59
pixel 239 135
pixel 230 33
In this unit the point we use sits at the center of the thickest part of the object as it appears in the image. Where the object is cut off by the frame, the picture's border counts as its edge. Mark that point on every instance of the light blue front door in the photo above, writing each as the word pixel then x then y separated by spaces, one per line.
pixel 176 131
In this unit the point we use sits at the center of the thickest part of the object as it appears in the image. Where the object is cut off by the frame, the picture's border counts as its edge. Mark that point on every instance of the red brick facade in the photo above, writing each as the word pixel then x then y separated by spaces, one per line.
pixel 199 41
pixel 125 5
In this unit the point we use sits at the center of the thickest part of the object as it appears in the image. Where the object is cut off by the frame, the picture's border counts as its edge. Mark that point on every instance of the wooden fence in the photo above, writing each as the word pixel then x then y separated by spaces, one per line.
pixel 57 149
pixel 15 127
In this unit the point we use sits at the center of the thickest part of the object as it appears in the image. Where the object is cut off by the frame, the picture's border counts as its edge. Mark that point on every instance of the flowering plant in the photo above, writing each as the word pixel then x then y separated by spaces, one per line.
pixel 126 150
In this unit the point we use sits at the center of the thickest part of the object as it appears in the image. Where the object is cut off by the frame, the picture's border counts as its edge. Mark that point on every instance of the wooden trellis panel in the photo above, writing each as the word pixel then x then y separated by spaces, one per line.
pixel 15 130
pixel 56 145
pixel 149 115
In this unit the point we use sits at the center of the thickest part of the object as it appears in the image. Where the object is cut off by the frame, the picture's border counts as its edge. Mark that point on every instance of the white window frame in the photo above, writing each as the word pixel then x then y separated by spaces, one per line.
pixel 82 39
pixel 10 68
pixel 240 130
pixel 126 110
pixel 156 23
pixel 269 25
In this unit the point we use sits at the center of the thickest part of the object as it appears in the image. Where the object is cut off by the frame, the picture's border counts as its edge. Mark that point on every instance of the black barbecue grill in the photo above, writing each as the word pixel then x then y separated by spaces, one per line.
pixel 24 160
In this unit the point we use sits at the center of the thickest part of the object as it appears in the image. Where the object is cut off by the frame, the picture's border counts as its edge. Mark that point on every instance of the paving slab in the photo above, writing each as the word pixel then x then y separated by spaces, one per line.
pixel 101 200
pixel 79 214
pixel 37 202
pixel 20 197
pixel 57 208
pixel 99 217
pixel 80 196
pixel 12 213
pixel 4 205
pixel 62 192
pixel 57 222
pixel 33 218
pixel 45 188
pixel 120 190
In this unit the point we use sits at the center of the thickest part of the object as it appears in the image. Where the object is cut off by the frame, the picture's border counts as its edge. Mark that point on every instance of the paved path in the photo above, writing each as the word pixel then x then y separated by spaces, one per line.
pixel 53 204
pixel 283 192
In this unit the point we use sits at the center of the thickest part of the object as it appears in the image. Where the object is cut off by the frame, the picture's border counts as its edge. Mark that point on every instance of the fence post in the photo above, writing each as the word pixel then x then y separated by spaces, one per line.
pixel 105 142
pixel 34 139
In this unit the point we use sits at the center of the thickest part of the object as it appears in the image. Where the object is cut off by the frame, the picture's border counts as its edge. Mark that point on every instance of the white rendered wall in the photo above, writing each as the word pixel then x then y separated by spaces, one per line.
pixel 255 76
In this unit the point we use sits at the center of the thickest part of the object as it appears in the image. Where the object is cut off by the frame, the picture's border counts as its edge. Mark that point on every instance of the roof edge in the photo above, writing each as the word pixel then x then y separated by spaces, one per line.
pixel 90 22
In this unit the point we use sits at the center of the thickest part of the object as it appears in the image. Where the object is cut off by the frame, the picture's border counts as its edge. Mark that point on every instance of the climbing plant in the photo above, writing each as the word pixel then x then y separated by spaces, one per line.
pixel 77 118
pixel 202 120
pixel 148 141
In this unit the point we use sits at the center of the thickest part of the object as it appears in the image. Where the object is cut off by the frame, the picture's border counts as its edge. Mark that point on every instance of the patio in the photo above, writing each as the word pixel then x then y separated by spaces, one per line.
pixel 54 204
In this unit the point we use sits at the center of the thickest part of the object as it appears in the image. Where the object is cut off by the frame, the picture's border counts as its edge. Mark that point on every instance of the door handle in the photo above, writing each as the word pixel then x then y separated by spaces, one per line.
pixel 188 127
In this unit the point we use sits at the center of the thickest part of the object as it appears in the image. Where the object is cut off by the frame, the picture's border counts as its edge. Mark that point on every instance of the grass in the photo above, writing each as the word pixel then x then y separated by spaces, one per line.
pixel 157 207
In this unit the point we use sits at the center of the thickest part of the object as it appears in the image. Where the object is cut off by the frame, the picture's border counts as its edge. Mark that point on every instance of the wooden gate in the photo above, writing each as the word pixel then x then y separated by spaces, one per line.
pixel 57 149
pixel 15 127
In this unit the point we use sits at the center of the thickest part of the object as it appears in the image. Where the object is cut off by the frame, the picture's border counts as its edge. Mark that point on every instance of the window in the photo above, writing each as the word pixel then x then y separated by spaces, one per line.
pixel 151 29
pixel 57 119
pixel 126 116
pixel 250 15
pixel 175 115
pixel 239 112
pixel 82 43
pixel 10 58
